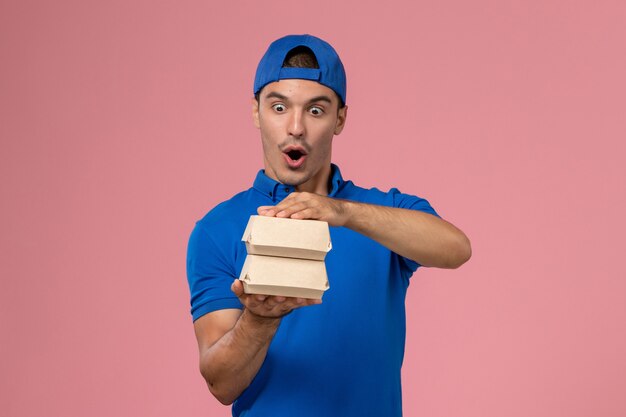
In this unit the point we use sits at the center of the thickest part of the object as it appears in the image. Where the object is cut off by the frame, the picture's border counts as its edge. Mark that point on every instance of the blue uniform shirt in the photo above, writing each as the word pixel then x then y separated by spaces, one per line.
pixel 339 358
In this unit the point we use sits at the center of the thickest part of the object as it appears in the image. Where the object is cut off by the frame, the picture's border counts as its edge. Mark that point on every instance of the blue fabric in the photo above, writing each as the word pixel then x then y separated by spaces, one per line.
pixel 340 358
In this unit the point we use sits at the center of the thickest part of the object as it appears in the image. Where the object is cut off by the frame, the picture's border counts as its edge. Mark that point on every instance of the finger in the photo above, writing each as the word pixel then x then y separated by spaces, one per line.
pixel 273 301
pixel 291 196
pixel 248 301
pixel 237 287
pixel 284 309
pixel 254 302
pixel 266 211
pixel 300 302
pixel 270 302
pixel 291 209
pixel 271 306
pixel 307 213
pixel 283 205
pixel 276 306
pixel 286 202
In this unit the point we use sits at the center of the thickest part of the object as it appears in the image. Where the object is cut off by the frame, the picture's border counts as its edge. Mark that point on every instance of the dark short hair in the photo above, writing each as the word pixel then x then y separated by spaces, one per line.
pixel 301 57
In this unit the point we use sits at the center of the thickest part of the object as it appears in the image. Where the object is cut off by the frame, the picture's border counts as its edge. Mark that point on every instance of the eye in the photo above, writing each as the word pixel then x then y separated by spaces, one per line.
pixel 279 108
pixel 316 111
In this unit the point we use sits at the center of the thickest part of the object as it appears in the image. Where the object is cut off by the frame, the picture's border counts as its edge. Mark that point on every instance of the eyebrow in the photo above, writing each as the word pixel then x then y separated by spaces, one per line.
pixel 321 98
pixel 274 94
pixel 279 96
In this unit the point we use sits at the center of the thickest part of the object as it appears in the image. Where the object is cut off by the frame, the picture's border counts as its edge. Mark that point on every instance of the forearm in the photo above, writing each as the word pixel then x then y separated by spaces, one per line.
pixel 230 364
pixel 413 234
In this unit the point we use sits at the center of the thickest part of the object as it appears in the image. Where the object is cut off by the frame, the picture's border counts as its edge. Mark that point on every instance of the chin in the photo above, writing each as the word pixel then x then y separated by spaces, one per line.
pixel 293 179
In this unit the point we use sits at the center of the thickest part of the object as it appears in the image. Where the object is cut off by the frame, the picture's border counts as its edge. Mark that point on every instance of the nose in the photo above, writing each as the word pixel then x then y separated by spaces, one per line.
pixel 295 127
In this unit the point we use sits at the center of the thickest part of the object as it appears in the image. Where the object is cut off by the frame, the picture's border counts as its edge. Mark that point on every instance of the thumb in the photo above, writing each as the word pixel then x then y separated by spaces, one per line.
pixel 237 287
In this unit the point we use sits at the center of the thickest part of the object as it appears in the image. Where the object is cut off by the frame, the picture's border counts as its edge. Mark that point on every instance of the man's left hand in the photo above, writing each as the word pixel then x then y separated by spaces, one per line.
pixel 305 205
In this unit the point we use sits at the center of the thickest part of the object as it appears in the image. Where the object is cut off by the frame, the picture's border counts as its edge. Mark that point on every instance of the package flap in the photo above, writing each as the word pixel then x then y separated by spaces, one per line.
pixel 274 236
pixel 288 277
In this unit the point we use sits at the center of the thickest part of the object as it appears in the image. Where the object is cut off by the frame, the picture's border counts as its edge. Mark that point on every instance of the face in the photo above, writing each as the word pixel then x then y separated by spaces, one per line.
pixel 298 119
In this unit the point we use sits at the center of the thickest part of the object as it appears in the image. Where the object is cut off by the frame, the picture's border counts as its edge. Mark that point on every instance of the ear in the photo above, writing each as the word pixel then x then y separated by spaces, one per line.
pixel 341 119
pixel 255 112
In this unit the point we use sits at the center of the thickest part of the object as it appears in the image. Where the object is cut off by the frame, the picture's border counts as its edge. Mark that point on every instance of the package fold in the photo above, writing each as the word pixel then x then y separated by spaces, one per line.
pixel 285 257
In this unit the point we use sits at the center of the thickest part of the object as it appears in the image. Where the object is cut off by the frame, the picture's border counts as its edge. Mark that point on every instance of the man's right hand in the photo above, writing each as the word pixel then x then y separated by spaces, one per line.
pixel 233 343
pixel 269 306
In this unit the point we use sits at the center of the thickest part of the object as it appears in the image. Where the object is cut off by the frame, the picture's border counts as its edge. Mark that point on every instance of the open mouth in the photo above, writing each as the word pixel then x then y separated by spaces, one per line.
pixel 295 155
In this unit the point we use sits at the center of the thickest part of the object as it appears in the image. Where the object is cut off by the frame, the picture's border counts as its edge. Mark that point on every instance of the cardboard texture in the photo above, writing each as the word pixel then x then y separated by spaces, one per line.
pixel 274 236
pixel 285 257
pixel 290 277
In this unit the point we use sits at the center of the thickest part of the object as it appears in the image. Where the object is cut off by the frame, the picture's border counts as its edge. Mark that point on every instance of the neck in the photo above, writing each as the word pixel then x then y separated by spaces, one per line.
pixel 319 183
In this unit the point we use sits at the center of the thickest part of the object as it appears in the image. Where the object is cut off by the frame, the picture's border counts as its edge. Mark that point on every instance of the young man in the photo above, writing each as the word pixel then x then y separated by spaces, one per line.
pixel 277 356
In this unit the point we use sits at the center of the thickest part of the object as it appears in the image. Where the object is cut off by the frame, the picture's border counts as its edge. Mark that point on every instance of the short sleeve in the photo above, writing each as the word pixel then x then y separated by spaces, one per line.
pixel 411 202
pixel 210 273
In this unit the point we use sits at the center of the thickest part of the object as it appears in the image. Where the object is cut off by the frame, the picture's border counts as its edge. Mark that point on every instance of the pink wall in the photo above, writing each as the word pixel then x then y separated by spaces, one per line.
pixel 121 123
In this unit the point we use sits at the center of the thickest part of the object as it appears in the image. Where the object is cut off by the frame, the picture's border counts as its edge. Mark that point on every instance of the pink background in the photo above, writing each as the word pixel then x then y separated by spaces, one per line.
pixel 121 123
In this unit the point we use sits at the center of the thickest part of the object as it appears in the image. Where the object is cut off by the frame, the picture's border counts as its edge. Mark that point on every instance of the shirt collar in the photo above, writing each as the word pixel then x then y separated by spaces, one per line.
pixel 277 191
